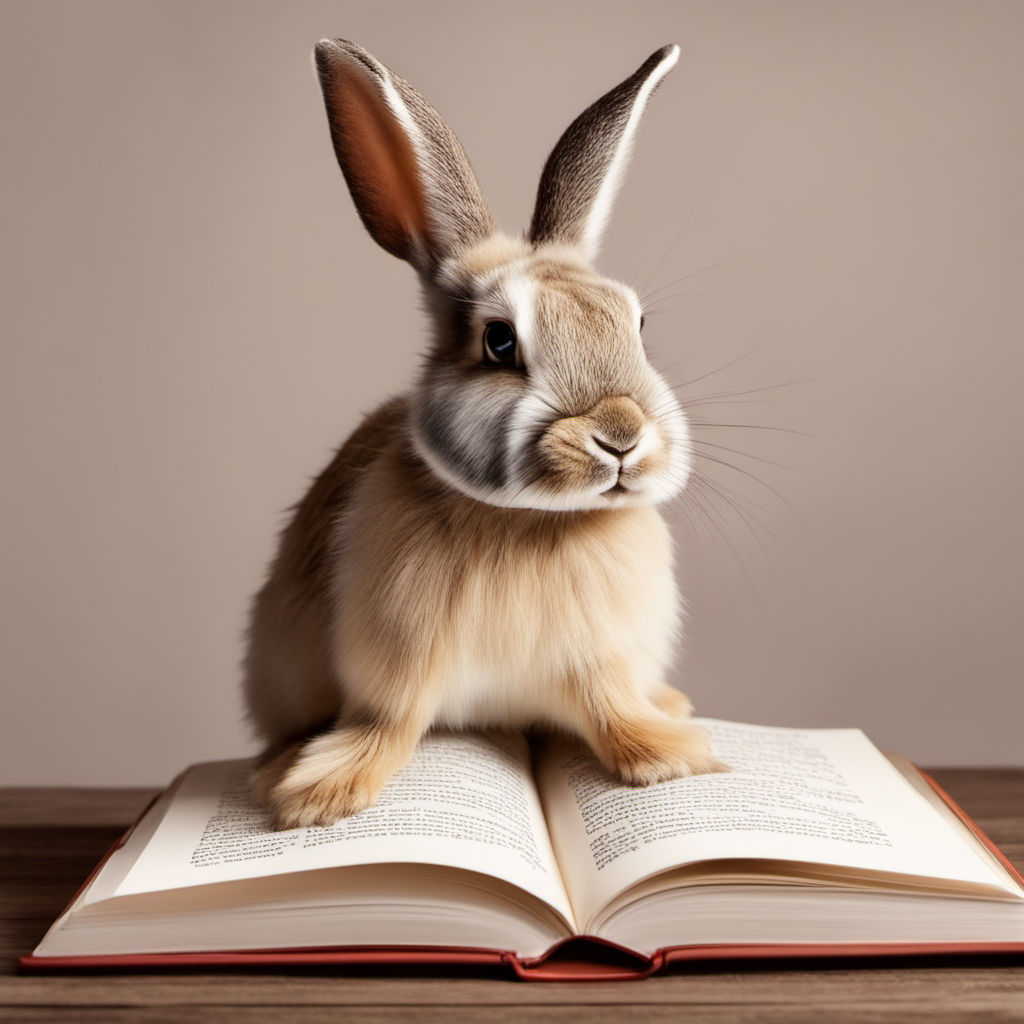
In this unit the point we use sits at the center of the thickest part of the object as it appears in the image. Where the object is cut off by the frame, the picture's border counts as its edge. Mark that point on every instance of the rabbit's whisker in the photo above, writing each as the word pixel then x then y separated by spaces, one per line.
pixel 748 426
pixel 719 527
pixel 748 517
pixel 724 366
pixel 750 391
pixel 756 479
pixel 664 256
pixel 679 280
pixel 737 451
pixel 743 498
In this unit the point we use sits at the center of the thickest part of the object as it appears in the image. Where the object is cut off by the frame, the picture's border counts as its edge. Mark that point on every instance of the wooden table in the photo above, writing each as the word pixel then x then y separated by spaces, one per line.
pixel 51 838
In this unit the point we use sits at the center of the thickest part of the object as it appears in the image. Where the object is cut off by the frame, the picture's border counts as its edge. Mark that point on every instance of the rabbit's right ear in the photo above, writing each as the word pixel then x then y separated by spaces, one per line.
pixel 409 176
pixel 585 168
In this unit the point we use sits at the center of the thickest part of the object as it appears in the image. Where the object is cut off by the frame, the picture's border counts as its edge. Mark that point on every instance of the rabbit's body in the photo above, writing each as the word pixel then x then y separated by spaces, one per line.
pixel 513 608
pixel 483 551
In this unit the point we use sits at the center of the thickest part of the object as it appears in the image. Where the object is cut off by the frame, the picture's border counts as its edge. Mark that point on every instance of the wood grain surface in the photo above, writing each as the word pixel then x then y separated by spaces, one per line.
pixel 51 838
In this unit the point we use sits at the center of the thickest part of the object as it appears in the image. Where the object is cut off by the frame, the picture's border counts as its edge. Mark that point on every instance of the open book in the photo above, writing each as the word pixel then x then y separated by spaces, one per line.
pixel 816 842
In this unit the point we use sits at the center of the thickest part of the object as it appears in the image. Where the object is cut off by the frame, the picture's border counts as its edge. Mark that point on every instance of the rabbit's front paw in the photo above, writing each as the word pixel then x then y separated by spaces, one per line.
pixel 324 802
pixel 334 776
pixel 654 751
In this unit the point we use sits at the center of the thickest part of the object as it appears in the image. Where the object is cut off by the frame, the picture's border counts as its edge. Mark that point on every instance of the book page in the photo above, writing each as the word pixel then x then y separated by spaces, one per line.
pixel 813 795
pixel 465 800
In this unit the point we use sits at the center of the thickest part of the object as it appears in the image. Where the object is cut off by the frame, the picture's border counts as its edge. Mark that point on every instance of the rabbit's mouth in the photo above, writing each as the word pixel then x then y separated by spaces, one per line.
pixel 617 488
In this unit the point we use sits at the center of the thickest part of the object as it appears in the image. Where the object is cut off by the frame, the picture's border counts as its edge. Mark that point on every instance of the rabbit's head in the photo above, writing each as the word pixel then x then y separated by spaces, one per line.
pixel 536 391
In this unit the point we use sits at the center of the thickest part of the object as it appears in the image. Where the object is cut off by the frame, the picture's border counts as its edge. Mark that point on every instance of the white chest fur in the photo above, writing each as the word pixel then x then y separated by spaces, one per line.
pixel 489 615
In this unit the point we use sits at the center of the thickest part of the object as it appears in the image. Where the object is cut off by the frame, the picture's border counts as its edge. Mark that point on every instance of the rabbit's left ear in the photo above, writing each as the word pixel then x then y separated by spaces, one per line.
pixel 585 168
pixel 408 174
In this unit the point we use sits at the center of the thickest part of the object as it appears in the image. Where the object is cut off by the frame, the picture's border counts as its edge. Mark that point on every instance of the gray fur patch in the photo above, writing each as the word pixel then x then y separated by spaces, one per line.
pixel 465 424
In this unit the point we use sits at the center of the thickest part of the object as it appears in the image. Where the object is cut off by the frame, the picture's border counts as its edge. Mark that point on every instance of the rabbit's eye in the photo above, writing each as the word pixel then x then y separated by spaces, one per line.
pixel 643 320
pixel 500 342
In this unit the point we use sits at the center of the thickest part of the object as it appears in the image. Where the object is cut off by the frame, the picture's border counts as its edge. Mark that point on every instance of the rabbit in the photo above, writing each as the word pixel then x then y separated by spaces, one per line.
pixel 485 550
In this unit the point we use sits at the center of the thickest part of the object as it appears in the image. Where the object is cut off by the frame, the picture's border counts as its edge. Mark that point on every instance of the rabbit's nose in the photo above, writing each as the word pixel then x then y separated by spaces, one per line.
pixel 614 449
pixel 616 425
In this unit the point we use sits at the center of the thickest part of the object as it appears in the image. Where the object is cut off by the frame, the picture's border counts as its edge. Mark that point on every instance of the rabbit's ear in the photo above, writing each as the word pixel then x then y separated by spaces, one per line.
pixel 409 176
pixel 585 168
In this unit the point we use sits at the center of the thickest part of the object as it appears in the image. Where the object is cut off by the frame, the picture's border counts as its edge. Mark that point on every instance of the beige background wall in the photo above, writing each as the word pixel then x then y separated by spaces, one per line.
pixel 193 317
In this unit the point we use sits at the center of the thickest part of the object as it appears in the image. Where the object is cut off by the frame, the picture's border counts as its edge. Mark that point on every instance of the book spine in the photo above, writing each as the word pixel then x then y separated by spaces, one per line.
pixel 586 958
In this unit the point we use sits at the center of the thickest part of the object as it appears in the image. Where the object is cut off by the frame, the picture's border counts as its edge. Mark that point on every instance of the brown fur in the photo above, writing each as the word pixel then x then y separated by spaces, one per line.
pixel 422 573
pixel 413 587
pixel 290 682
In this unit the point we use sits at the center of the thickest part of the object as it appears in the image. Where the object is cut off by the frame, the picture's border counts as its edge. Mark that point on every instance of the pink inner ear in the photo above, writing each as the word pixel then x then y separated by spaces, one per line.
pixel 379 162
